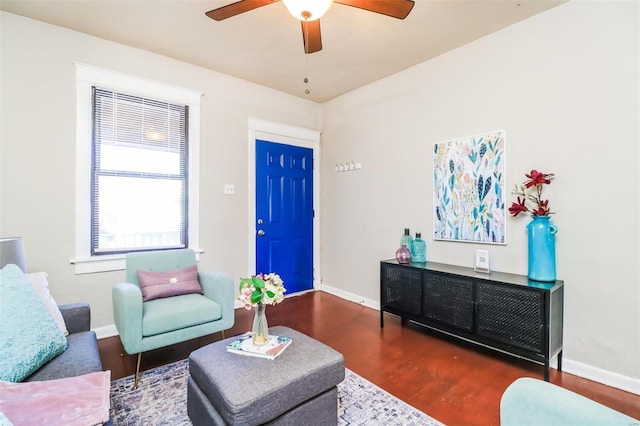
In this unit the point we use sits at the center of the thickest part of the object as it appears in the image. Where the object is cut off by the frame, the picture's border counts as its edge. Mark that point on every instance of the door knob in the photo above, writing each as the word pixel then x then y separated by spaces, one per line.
pixel 261 232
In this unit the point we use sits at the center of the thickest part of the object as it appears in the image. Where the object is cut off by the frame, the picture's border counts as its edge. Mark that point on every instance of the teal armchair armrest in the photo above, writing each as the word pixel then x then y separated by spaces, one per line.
pixel 533 402
pixel 219 287
pixel 127 313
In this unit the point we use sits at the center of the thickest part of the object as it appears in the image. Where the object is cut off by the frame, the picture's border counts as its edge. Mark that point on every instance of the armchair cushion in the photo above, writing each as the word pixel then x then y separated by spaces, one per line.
pixel 156 285
pixel 175 313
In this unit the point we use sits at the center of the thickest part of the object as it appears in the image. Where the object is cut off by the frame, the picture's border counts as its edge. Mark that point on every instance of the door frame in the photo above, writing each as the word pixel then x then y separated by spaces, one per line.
pixel 289 135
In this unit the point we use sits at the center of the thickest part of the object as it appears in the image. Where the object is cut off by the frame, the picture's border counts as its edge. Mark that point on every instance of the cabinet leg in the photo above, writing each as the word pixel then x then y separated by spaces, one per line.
pixel 381 318
pixel 560 361
pixel 546 370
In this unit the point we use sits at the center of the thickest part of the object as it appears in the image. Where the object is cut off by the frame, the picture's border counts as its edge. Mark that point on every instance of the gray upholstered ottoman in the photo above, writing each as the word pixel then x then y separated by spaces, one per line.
pixel 296 388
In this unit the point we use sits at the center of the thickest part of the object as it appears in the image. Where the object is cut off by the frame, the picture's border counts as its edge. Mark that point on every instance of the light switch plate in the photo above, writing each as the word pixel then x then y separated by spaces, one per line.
pixel 482 261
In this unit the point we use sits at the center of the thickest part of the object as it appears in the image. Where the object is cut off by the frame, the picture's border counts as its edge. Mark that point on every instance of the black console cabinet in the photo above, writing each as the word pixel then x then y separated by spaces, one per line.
pixel 501 311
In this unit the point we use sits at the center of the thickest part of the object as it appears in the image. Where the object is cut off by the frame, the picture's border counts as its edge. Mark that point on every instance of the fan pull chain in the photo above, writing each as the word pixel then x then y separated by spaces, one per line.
pixel 306 79
pixel 306 65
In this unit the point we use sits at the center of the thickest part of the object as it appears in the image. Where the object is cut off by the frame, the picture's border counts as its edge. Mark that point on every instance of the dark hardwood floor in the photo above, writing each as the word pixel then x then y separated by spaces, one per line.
pixel 455 382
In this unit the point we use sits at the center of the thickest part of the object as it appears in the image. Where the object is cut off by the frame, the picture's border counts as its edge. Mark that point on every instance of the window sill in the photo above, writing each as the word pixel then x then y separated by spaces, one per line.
pixel 89 265
pixel 106 263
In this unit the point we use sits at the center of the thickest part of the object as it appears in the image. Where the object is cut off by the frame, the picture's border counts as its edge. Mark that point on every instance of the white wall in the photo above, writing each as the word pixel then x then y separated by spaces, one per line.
pixel 37 145
pixel 564 86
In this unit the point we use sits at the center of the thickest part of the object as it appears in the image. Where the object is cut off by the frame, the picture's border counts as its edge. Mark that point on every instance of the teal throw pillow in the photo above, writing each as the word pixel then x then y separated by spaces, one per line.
pixel 29 336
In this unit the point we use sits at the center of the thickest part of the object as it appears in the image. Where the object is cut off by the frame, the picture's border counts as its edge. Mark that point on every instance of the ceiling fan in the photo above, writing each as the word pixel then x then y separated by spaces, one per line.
pixel 310 11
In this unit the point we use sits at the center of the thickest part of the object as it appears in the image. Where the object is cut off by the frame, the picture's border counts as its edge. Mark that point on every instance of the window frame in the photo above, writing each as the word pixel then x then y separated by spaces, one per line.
pixel 110 101
pixel 88 76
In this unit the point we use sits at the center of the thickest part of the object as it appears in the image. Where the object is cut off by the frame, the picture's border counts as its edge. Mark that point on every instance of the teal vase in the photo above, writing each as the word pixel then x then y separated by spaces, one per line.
pixel 542 249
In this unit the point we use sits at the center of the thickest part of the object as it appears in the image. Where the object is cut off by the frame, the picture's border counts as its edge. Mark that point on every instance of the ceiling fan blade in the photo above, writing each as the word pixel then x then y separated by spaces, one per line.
pixel 311 36
pixel 237 8
pixel 394 8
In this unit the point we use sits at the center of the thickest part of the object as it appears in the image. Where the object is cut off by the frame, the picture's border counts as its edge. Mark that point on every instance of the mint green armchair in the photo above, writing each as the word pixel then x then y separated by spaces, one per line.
pixel 533 402
pixel 144 326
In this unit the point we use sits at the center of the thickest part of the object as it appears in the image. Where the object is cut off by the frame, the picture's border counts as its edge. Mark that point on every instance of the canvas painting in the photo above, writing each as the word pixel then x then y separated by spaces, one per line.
pixel 468 189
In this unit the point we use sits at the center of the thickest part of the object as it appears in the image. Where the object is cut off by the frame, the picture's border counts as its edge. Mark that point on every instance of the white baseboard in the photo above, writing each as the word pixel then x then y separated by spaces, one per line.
pixel 106 331
pixel 599 375
pixel 370 303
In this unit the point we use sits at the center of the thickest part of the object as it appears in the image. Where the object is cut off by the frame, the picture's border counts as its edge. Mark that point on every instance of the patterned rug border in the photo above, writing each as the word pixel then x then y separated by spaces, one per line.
pixel 161 400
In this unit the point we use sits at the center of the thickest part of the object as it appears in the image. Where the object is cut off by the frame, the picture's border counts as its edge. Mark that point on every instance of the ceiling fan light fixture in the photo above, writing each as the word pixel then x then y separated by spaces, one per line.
pixel 307 10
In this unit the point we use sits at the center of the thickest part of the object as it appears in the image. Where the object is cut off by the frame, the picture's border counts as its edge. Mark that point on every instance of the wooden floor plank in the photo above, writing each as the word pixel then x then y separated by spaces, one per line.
pixel 455 382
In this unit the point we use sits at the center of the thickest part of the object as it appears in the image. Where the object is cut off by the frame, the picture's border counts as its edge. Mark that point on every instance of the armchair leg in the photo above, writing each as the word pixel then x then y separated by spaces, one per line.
pixel 135 382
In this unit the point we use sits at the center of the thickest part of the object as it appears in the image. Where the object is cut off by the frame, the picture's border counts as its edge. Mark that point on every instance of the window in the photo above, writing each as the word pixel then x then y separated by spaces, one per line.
pixel 137 145
pixel 139 173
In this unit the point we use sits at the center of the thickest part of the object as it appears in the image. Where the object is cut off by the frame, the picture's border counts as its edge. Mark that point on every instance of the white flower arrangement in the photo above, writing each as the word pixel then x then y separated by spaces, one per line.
pixel 267 289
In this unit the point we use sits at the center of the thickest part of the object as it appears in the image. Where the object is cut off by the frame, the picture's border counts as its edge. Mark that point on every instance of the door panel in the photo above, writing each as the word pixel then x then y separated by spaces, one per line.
pixel 284 204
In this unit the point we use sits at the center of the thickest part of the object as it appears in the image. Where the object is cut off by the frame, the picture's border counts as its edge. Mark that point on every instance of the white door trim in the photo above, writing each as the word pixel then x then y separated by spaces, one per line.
pixel 290 135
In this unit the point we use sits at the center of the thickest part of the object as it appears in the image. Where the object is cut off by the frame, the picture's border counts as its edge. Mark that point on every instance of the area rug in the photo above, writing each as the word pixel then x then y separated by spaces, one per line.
pixel 161 399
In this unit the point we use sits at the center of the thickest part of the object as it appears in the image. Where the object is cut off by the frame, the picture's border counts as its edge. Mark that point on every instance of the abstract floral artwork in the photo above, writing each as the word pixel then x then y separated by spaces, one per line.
pixel 468 189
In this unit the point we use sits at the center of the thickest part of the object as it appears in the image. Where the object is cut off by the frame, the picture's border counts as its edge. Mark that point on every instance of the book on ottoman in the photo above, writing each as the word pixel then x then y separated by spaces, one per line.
pixel 271 350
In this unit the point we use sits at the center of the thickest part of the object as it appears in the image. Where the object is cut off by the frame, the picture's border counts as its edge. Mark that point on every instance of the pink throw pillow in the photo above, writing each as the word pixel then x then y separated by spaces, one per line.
pixel 155 285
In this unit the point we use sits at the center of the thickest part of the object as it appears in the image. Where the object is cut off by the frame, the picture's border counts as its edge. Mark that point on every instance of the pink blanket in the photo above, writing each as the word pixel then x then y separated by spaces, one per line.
pixel 81 401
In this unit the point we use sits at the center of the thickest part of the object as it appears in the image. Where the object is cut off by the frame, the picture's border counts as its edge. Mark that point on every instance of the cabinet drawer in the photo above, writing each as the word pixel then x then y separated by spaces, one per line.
pixel 511 315
pixel 449 300
pixel 402 289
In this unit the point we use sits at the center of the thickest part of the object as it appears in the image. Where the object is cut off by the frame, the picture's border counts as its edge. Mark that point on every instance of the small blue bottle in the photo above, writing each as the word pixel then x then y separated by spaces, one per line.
pixel 418 249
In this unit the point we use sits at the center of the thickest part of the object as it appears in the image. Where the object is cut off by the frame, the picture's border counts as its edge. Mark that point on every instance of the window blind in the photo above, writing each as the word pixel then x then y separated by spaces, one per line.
pixel 139 173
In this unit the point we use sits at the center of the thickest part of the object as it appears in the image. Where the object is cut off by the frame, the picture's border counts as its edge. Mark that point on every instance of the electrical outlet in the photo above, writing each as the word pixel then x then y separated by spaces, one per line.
pixel 229 189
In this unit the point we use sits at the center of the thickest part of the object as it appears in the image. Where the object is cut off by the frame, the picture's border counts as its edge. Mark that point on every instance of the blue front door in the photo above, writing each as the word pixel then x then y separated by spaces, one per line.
pixel 284 213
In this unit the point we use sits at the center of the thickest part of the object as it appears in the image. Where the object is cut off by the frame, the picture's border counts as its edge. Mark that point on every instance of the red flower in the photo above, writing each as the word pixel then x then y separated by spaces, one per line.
pixel 538 178
pixel 543 208
pixel 519 207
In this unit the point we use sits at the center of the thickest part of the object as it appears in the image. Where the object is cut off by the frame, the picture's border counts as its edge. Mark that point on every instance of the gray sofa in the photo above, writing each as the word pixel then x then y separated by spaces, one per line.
pixel 81 356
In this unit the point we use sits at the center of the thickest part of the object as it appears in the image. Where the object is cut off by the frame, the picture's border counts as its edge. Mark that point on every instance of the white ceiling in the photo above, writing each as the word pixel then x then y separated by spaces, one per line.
pixel 265 45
